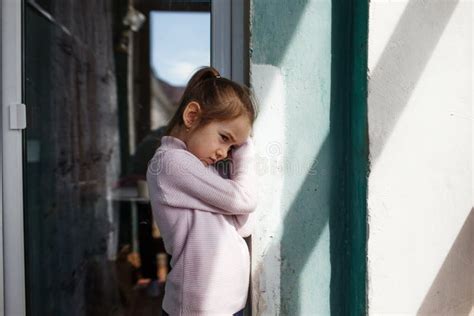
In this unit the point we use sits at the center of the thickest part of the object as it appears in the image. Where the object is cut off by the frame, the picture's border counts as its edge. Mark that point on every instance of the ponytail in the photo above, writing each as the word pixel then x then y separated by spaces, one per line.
pixel 219 98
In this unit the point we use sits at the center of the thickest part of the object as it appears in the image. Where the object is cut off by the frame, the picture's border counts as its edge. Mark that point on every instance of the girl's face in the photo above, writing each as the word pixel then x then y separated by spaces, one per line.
pixel 214 141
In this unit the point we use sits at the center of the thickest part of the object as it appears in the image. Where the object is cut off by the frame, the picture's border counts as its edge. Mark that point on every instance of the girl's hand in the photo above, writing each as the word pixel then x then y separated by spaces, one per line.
pixel 230 154
pixel 238 152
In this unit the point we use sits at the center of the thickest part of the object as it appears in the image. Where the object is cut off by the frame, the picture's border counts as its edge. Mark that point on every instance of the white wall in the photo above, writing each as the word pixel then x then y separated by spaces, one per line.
pixel 420 188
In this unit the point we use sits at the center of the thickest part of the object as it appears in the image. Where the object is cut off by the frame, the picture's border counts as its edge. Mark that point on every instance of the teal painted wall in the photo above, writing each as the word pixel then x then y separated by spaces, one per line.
pixel 295 36
pixel 322 237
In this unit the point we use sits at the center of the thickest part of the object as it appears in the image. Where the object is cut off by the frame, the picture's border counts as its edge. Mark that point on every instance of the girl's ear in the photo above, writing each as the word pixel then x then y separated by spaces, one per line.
pixel 191 113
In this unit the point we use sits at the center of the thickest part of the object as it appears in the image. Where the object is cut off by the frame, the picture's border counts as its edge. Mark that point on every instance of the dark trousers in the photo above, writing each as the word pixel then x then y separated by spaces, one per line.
pixel 149 246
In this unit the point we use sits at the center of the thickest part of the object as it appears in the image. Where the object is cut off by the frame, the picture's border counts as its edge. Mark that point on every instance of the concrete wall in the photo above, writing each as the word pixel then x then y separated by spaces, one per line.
pixel 420 193
pixel 290 67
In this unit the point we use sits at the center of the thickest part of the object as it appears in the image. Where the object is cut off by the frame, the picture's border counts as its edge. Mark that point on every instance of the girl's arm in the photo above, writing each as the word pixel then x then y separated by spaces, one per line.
pixel 184 182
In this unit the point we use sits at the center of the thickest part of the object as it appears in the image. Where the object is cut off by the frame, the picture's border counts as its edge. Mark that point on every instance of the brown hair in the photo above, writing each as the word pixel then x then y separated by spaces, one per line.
pixel 220 99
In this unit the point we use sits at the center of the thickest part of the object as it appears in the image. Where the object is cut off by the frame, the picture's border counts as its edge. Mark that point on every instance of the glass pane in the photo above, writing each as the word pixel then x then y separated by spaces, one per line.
pixel 180 43
pixel 98 92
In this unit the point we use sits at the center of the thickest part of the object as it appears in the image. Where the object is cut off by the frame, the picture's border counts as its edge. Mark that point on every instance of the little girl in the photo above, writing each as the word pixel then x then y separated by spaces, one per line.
pixel 203 216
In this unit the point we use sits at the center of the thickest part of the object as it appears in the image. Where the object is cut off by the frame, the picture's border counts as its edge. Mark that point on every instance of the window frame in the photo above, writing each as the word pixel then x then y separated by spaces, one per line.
pixel 230 39
pixel 12 250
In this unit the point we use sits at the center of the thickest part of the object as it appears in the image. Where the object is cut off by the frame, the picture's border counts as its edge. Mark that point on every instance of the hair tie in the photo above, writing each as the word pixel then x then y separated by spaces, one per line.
pixel 218 76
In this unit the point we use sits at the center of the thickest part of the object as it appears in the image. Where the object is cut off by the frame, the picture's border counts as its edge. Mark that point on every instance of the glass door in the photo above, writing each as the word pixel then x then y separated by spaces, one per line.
pixel 101 79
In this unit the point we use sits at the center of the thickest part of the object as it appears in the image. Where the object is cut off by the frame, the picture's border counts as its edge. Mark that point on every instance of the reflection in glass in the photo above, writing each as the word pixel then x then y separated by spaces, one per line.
pixel 180 43
pixel 91 247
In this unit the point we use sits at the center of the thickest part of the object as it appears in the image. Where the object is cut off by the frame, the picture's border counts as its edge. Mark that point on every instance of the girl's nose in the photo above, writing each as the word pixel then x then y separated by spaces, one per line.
pixel 221 154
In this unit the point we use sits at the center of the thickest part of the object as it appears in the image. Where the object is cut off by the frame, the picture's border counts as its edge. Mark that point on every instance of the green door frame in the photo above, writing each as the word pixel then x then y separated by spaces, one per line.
pixel 349 99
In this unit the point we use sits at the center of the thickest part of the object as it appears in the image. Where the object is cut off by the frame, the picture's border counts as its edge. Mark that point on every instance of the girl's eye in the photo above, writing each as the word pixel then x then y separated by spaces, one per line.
pixel 224 137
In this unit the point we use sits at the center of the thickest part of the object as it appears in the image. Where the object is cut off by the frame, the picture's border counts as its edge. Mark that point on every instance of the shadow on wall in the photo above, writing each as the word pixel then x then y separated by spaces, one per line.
pixel 395 76
pixel 303 226
pixel 451 292
pixel 321 199
pixel 279 24
pixel 392 82
pixel 309 212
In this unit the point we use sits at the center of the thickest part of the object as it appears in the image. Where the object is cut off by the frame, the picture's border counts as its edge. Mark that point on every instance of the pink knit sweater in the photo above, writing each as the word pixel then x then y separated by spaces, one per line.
pixel 202 218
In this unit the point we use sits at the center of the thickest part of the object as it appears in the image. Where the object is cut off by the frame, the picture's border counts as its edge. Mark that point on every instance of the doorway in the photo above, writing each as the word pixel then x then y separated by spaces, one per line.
pixel 99 80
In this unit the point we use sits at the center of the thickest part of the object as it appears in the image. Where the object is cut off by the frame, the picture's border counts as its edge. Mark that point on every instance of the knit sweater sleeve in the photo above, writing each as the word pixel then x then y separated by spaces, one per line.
pixel 184 182
pixel 245 224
